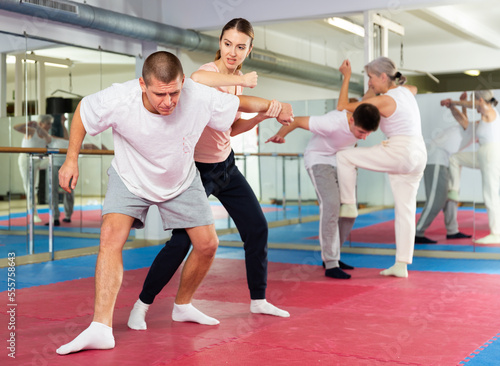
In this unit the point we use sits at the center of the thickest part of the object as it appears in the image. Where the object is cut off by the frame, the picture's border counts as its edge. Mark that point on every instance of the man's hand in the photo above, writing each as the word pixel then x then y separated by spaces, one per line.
pixel 345 68
pixel 286 115
pixel 250 80
pixel 277 139
pixel 68 174
pixel 463 96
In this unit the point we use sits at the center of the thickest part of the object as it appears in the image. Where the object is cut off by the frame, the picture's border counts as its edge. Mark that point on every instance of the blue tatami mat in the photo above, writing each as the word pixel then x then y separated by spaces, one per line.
pixel 82 267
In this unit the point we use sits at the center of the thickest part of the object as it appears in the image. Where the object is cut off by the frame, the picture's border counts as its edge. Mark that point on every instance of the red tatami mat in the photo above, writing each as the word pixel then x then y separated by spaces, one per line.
pixel 430 318
pixel 86 218
pixel 383 233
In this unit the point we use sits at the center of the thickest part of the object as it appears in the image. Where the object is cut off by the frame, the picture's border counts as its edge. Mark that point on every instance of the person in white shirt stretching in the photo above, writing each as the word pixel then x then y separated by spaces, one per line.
pixel 333 132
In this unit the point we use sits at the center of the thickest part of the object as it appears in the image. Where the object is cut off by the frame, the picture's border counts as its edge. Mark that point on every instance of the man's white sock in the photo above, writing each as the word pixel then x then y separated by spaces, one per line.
pixel 96 336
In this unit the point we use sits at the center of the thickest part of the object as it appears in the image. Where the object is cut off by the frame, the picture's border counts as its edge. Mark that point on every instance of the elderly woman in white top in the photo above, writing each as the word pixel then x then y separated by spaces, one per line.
pixel 36 135
pixel 487 158
pixel 403 155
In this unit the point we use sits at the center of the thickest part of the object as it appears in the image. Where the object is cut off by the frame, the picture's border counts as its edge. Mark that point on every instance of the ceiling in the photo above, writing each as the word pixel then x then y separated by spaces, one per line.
pixel 472 27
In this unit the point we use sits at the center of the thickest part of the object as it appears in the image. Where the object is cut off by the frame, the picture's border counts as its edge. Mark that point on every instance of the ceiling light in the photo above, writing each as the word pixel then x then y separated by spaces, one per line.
pixel 346 25
pixel 56 65
pixel 472 72
pixel 47 61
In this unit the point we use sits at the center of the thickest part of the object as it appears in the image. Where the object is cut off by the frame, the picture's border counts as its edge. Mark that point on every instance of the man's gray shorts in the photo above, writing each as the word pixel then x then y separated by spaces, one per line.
pixel 189 209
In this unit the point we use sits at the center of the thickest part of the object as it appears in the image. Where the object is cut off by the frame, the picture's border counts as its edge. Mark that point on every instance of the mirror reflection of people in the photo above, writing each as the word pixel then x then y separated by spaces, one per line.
pixel 436 177
pixel 68 197
pixel 402 155
pixel 487 158
pixel 59 140
pixel 36 135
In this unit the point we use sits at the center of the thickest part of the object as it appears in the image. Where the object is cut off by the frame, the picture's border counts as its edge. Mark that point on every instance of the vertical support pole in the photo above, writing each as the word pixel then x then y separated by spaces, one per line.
pixel 384 42
pixel 299 188
pixel 41 88
pixel 245 164
pixel 369 52
pixel 31 205
pixel 474 151
pixel 18 86
pixel 284 185
pixel 3 85
pixel 51 206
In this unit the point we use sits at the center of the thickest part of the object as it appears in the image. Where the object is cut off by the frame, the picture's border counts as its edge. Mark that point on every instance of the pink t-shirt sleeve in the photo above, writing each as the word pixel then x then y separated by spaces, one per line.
pixel 215 146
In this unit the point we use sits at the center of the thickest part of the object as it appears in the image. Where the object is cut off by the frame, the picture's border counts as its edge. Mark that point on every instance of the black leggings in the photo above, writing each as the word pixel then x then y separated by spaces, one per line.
pixel 225 182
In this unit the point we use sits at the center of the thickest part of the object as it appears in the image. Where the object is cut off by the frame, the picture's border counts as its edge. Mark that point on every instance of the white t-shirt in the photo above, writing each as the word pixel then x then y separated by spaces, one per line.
pixel 154 153
pixel 488 132
pixel 331 134
pixel 444 144
pixel 34 142
pixel 405 121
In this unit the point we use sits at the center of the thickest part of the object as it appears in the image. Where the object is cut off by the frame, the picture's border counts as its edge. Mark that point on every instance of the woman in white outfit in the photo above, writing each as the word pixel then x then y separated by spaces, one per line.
pixel 403 155
pixel 36 135
pixel 487 158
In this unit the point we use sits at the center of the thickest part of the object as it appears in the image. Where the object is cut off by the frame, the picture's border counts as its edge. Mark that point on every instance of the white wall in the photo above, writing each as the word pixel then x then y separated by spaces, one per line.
pixel 268 87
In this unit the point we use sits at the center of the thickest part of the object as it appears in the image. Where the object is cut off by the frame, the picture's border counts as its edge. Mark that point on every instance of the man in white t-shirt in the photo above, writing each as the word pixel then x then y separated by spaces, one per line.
pixel 332 132
pixel 155 132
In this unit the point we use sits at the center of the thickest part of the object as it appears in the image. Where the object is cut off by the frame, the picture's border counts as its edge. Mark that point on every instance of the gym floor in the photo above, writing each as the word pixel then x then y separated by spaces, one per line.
pixel 447 312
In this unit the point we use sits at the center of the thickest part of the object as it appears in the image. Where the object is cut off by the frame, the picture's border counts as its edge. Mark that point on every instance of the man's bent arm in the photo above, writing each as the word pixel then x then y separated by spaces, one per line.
pixel 299 122
pixel 68 173
pixel 250 104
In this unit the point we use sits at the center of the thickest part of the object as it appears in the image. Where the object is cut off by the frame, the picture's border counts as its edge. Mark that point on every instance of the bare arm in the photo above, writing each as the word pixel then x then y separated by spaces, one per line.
pixel 299 122
pixel 343 102
pixel 43 134
pixel 68 173
pixel 386 105
pixel 216 79
pixel 463 102
pixel 412 88
pixel 251 104
pixel 30 131
pixel 460 116
pixel 242 125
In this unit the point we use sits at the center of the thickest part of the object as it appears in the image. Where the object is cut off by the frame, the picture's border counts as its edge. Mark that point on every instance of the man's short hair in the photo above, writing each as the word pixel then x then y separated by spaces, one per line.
pixel 367 117
pixel 163 66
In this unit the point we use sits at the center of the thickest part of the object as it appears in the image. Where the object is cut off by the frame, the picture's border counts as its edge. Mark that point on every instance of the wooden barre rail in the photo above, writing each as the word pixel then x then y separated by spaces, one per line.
pixel 32 150
pixel 28 150
pixel 269 154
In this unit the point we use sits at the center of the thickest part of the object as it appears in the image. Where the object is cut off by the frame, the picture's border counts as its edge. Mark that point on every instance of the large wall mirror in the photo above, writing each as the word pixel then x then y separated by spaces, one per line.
pixel 44 83
pixel 54 77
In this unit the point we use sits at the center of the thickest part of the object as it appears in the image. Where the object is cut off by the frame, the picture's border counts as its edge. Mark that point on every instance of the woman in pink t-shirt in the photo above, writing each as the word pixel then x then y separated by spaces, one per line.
pixel 215 160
